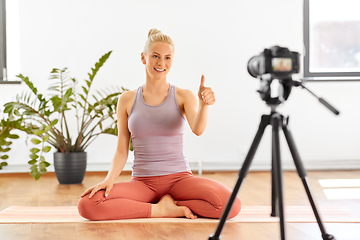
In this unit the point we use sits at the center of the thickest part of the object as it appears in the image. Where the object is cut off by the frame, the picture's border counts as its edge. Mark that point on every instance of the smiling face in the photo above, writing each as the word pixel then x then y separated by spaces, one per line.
pixel 158 60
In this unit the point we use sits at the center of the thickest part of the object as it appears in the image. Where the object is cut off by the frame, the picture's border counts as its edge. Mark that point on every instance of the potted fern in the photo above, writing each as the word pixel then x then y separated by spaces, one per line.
pixel 46 119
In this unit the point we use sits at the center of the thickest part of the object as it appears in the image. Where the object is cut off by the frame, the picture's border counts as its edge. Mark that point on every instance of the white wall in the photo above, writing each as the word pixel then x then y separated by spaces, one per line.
pixel 211 38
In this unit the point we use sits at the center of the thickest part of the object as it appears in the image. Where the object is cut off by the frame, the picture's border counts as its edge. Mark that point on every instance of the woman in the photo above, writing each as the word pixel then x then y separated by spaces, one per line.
pixel 162 184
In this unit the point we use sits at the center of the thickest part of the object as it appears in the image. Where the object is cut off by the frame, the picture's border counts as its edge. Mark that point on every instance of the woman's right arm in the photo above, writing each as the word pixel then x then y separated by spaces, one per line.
pixel 122 149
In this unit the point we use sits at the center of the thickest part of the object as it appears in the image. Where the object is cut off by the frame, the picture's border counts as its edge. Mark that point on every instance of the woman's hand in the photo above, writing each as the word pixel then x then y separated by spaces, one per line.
pixel 206 94
pixel 104 185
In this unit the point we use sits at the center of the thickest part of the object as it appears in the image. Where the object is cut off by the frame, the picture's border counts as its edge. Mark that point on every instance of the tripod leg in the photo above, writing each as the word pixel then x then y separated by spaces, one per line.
pixel 274 197
pixel 303 175
pixel 276 122
pixel 265 120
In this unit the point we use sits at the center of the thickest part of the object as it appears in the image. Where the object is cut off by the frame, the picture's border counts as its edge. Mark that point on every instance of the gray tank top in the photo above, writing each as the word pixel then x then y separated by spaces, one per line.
pixel 157 134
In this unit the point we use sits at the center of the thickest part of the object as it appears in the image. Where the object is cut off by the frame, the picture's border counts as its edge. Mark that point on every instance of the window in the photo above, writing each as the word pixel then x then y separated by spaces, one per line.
pixel 2 41
pixel 9 41
pixel 332 39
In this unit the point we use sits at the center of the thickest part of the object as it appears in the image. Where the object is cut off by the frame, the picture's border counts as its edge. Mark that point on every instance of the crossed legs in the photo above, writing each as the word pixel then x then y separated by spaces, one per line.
pixel 180 194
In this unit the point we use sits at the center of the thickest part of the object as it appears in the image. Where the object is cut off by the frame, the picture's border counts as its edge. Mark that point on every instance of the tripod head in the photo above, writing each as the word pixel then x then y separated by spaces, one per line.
pixel 285 85
pixel 278 63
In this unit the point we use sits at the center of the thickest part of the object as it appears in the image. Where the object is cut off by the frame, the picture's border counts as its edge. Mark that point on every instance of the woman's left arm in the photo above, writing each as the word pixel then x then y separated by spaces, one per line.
pixel 197 113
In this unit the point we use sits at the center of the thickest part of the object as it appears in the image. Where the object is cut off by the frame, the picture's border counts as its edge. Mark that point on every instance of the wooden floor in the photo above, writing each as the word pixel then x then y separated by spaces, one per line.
pixel 21 189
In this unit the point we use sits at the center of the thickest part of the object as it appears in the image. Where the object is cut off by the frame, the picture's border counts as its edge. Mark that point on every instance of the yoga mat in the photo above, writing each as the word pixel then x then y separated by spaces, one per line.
pixel 69 214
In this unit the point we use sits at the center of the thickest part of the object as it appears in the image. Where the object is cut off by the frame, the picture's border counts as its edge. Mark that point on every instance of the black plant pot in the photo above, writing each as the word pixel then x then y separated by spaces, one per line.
pixel 70 168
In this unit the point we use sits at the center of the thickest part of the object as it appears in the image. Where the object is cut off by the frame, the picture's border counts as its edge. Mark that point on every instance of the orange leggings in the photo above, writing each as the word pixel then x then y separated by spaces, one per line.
pixel 205 197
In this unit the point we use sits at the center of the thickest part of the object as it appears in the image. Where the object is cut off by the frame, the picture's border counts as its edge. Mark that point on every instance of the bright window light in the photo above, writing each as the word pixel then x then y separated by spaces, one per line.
pixel 334 36
pixel 342 193
pixel 331 39
pixel 336 183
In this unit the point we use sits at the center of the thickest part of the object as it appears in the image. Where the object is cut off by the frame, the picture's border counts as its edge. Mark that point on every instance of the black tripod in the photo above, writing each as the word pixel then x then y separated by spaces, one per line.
pixel 277 121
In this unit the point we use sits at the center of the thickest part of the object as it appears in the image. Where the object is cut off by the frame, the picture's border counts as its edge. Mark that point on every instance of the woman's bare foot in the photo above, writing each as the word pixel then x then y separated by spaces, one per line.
pixel 166 207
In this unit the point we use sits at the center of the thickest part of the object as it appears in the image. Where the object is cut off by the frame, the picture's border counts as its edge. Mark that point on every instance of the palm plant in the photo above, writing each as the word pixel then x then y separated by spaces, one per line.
pixel 46 118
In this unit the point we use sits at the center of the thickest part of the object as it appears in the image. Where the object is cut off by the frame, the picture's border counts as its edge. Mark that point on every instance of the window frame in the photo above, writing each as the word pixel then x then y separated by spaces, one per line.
pixel 332 76
pixel 2 39
pixel 3 47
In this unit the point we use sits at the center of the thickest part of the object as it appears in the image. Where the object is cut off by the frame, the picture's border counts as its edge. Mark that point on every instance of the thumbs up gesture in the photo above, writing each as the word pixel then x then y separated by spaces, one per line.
pixel 206 95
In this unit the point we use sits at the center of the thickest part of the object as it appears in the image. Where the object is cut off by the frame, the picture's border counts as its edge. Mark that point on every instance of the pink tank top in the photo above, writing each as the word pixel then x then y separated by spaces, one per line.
pixel 157 134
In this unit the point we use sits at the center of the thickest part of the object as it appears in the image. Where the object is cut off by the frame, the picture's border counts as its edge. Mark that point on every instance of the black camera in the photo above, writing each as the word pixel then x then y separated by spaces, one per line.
pixel 280 62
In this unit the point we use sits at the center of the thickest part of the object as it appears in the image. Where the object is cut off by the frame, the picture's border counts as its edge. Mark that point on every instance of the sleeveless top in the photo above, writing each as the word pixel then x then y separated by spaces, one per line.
pixel 157 134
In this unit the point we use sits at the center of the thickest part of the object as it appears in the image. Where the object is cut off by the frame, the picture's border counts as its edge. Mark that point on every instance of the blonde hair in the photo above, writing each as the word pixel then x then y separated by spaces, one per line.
pixel 154 36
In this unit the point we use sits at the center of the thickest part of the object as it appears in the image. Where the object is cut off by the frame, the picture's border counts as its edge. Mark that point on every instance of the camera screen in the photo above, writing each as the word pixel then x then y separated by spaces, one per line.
pixel 281 64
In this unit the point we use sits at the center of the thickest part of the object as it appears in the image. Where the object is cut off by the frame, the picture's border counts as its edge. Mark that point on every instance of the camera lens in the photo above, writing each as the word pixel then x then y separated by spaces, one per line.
pixel 253 66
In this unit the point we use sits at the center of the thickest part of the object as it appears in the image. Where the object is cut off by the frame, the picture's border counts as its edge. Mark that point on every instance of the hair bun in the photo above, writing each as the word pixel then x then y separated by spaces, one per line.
pixel 154 36
pixel 153 32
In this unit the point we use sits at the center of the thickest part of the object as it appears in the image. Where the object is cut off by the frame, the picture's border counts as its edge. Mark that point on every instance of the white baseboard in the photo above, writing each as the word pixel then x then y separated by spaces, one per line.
pixel 216 166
